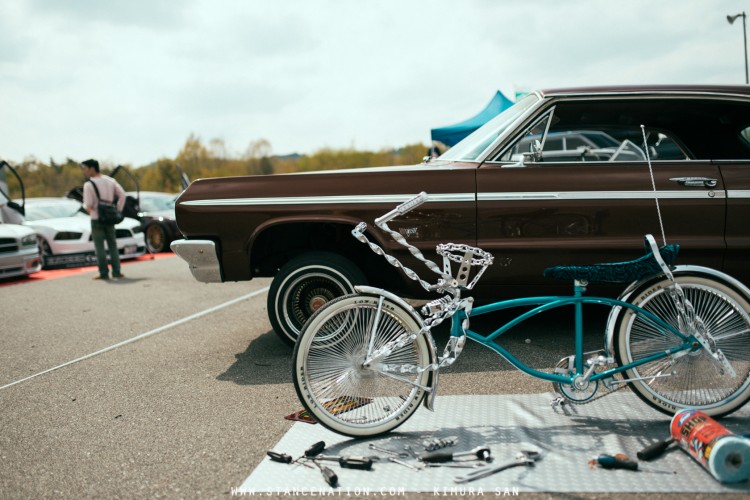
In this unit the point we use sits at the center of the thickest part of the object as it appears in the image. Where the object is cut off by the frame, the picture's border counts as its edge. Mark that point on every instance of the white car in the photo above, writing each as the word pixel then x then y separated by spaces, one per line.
pixel 19 252
pixel 65 233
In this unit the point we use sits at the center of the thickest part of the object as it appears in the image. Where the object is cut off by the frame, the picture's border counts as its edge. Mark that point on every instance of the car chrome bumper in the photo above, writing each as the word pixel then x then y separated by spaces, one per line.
pixel 201 258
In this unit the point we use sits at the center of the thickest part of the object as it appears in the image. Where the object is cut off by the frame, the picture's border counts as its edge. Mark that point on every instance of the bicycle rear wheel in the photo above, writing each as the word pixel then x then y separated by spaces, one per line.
pixel 329 376
pixel 695 380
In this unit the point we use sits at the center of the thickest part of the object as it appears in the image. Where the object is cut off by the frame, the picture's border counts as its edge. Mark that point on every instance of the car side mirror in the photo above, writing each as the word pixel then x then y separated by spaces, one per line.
pixel 522 160
pixel 15 206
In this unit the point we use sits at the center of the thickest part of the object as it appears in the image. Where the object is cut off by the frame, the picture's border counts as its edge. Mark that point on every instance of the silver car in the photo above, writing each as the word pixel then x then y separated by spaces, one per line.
pixel 19 252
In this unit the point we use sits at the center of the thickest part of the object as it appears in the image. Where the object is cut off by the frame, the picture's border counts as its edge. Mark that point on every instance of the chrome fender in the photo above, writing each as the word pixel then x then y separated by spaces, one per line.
pixel 686 270
pixel 432 379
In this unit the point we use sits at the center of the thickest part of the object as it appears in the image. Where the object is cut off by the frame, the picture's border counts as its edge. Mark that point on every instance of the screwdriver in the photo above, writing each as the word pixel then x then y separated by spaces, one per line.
pixel 279 457
pixel 618 461
pixel 654 450
pixel 482 453
pixel 316 449
pixel 349 462
pixel 331 478
pixel 621 461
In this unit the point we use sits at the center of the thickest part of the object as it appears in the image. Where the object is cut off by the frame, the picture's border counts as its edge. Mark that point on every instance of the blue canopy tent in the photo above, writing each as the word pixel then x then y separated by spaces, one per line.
pixel 452 134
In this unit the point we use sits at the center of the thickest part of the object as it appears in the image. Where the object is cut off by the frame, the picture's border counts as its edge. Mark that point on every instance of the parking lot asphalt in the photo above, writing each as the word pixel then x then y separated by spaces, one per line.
pixel 157 386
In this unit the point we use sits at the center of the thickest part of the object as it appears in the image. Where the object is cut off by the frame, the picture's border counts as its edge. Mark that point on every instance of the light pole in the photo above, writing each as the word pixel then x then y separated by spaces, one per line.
pixel 731 20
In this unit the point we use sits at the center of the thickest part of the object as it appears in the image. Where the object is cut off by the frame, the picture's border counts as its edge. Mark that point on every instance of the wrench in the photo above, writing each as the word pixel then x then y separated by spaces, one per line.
pixel 526 457
pixel 405 464
pixel 397 454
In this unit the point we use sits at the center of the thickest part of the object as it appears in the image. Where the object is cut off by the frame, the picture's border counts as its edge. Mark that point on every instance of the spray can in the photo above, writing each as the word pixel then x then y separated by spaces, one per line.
pixel 725 455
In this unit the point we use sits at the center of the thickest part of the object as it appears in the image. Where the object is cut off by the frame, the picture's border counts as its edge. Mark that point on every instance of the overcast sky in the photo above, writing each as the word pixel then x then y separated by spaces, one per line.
pixel 128 81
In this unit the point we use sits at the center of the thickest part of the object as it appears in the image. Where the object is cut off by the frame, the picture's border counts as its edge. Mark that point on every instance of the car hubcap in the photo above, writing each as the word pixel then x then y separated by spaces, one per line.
pixel 308 294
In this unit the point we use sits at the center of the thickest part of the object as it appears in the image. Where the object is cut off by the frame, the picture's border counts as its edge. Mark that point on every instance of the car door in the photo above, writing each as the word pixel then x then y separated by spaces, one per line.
pixel 535 211
pixel 736 176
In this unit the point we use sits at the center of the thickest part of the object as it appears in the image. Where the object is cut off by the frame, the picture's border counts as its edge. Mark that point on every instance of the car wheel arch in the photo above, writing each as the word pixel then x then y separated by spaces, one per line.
pixel 279 241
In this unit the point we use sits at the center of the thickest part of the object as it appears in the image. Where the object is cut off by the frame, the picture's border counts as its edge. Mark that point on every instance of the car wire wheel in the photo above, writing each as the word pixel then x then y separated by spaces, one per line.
pixel 304 285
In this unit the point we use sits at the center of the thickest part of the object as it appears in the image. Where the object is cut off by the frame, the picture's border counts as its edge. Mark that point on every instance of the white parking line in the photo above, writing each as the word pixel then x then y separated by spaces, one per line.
pixel 144 335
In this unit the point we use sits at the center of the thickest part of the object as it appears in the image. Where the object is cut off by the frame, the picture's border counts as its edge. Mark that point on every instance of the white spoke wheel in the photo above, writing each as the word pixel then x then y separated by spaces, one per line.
pixel 695 379
pixel 331 380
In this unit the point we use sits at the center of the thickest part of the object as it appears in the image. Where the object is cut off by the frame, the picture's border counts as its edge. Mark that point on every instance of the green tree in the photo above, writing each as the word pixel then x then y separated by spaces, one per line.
pixel 197 160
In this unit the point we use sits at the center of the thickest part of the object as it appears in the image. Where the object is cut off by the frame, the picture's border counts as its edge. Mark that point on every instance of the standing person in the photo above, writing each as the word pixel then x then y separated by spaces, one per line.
pixel 109 190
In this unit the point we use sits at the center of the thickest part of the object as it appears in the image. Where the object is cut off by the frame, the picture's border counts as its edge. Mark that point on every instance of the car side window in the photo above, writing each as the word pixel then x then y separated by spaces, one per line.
pixel 745 134
pixel 595 132
pixel 530 143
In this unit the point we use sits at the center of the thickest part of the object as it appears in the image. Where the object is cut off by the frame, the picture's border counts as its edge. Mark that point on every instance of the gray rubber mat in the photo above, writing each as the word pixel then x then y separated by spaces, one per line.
pixel 567 437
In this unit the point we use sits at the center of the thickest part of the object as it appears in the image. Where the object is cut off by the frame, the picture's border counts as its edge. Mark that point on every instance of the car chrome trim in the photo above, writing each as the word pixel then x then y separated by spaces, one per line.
pixel 328 200
pixel 468 197
pixel 201 258
pixel 599 195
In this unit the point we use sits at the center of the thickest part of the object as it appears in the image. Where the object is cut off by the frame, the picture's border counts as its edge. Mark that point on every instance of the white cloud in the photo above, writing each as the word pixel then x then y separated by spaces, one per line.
pixel 129 81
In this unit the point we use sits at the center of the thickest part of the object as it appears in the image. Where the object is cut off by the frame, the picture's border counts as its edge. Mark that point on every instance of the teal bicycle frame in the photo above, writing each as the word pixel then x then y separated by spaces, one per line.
pixel 544 304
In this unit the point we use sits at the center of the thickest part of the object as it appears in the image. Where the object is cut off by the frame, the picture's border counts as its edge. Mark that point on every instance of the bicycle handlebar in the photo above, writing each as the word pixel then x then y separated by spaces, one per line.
pixel 403 208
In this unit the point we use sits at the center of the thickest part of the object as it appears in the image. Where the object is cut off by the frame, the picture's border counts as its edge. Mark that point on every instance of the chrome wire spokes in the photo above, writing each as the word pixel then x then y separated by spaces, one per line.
pixel 337 376
pixel 697 377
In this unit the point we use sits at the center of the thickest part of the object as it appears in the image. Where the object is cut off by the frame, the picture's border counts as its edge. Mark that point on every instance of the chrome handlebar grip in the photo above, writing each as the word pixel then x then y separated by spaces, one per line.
pixel 359 232
pixel 403 208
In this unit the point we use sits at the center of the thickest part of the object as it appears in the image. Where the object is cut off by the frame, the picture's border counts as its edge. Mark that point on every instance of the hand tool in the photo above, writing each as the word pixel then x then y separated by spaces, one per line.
pixel 618 461
pixel 398 454
pixel 405 464
pixel 279 457
pixel 526 457
pixel 315 449
pixel 621 461
pixel 331 478
pixel 435 443
pixel 459 465
pixel 654 450
pixel 349 462
pixel 480 452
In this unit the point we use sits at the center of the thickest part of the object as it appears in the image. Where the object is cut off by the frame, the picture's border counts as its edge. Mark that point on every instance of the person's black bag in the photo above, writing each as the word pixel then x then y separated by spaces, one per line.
pixel 108 213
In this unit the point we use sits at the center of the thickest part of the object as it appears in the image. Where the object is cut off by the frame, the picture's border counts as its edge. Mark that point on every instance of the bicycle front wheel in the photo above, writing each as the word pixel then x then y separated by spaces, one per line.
pixel 329 374
pixel 692 379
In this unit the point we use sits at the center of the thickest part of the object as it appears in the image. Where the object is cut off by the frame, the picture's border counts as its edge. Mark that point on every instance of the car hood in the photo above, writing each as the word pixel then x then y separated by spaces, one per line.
pixel 14 231
pixel 79 223
pixel 344 182
pixel 156 214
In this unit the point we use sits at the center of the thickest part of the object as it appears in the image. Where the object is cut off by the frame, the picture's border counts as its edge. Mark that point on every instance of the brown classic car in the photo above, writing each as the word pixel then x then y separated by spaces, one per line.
pixel 560 178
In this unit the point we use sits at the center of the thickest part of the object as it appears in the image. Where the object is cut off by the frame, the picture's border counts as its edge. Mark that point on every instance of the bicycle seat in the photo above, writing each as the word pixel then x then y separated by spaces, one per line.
pixel 617 272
